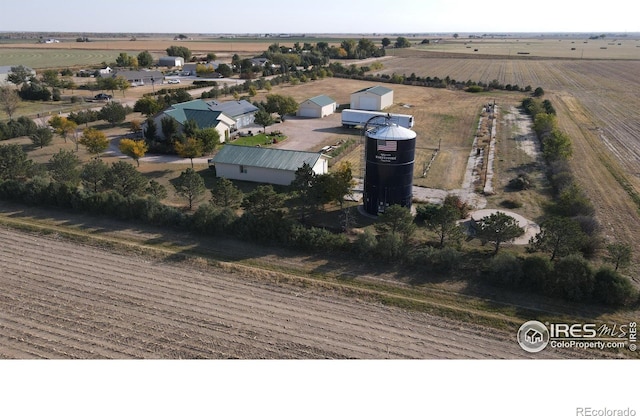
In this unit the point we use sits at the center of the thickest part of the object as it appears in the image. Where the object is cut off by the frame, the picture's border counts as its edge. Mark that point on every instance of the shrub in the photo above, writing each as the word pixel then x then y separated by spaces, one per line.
pixel 504 269
pixel 574 278
pixel 613 289
pixel 537 274
pixel 511 203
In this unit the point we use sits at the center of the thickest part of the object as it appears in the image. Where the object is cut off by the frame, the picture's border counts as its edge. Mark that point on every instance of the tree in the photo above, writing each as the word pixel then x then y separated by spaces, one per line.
pixel 122 84
pixel 150 132
pixel 281 104
pixel 574 278
pixel 264 119
pixel 556 145
pixel 189 128
pixel 108 83
pixel 443 221
pixel 93 174
pixel 224 70
pixel 211 57
pixel 42 137
pixel 559 236
pixel 225 194
pixel 302 184
pixel 63 167
pixel 209 138
pixel 386 42
pixel 619 254
pixel 538 92
pixel 135 127
pixel 94 140
pixel 50 78
pixel 402 42
pixel 135 149
pixel 156 190
pixel 263 202
pixel 62 126
pixel 189 185
pixel 19 75
pixel 455 36
pixel 498 228
pixel 13 162
pixel 9 100
pixel 113 113
pixel 145 59
pixel 169 127
pixel 123 178
pixel 396 220
pixel 610 288
pixel 148 106
pixel 179 51
pixel 189 148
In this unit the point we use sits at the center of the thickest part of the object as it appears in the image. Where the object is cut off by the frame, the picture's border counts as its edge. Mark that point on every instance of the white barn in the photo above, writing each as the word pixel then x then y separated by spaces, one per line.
pixel 265 165
pixel 317 107
pixel 372 98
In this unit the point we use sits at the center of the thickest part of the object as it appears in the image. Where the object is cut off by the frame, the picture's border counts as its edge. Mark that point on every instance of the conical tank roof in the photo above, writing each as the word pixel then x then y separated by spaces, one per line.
pixel 391 132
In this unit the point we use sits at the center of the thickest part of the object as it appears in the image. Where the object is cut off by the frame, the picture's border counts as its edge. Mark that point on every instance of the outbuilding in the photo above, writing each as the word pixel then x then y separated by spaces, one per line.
pixel 317 107
pixel 171 61
pixel 372 98
pixel 265 165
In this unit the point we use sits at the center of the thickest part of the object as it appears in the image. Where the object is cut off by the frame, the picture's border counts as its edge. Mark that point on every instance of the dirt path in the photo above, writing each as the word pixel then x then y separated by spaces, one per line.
pixel 63 300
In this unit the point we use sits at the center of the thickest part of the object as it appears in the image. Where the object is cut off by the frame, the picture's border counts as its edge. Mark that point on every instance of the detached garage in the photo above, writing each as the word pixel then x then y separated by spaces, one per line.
pixel 171 61
pixel 317 107
pixel 372 99
pixel 263 165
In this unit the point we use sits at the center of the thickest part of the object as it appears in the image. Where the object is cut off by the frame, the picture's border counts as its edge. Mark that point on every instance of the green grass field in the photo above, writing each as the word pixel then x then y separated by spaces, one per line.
pixel 57 58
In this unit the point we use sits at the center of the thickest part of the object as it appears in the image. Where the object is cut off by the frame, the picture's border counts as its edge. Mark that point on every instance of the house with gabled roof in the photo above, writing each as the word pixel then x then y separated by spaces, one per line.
pixel 372 98
pixel 139 78
pixel 200 112
pixel 265 165
pixel 317 107
pixel 242 111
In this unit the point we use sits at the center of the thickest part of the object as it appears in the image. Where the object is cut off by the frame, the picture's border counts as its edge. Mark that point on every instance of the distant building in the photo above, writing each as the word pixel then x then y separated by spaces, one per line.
pixel 317 107
pixel 265 165
pixel 372 98
pixel 139 78
pixel 105 71
pixel 171 61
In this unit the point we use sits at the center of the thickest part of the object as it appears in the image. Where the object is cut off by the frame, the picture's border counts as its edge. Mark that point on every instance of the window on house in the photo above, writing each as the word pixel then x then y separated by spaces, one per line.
pixel 243 169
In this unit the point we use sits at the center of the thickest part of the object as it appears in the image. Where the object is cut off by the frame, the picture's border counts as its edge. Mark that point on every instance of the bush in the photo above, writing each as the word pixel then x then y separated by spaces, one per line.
pixel 520 183
pixel 511 204
pixel 613 289
pixel 314 238
pixel 537 274
pixel 574 278
pixel 365 244
pixel 504 269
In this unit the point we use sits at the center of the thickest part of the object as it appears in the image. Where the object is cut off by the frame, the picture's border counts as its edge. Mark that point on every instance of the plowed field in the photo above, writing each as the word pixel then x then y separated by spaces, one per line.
pixel 65 300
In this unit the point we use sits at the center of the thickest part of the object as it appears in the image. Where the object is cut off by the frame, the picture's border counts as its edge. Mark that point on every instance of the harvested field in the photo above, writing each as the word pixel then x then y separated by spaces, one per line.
pixel 64 300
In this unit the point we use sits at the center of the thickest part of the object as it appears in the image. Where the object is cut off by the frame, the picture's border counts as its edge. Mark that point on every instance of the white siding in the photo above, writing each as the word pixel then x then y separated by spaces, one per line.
pixel 265 175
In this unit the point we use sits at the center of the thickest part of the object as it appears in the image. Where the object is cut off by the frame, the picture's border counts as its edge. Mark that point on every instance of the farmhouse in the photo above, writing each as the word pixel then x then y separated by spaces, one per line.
pixel 263 165
pixel 242 111
pixel 200 112
pixel 138 78
pixel 317 107
pixel 190 68
pixel 171 61
pixel 372 98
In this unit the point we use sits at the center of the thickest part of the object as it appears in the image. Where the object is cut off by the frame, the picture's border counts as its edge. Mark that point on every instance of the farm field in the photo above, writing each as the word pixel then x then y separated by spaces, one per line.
pixel 66 300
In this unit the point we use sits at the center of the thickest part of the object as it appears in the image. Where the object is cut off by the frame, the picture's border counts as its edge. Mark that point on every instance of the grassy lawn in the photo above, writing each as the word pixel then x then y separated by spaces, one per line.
pixel 259 139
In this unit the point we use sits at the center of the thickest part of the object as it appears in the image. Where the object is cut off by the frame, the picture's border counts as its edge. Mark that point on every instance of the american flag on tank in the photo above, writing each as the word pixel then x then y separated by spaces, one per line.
pixel 387 145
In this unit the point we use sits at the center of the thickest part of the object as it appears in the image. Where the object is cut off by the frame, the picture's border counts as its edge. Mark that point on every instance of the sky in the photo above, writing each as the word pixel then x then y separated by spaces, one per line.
pixel 320 16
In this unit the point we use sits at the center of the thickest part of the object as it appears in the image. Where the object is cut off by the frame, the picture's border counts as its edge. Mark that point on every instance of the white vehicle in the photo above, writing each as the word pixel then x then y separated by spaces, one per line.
pixel 358 118
pixel 173 81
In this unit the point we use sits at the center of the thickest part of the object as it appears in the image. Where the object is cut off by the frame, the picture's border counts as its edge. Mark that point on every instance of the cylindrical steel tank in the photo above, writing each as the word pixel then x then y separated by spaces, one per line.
pixel 390 156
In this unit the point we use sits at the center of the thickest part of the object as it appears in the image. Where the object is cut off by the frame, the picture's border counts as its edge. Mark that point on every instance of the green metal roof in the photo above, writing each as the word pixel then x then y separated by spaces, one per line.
pixel 322 100
pixel 265 158
pixel 196 110
pixel 377 90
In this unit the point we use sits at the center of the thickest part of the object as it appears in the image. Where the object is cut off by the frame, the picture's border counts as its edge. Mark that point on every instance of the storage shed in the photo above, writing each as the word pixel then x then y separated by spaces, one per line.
pixel 171 61
pixel 372 98
pixel 317 107
pixel 265 165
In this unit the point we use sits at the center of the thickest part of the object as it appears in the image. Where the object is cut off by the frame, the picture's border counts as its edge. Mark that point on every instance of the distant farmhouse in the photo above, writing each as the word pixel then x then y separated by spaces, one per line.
pixel 265 165
pixel 373 99
pixel 171 61
pixel 317 107
pixel 6 70
pixel 139 78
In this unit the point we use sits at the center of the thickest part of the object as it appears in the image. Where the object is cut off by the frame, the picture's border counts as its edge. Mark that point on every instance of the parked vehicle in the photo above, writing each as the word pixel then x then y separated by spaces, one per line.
pixel 102 96
pixel 358 118
pixel 173 81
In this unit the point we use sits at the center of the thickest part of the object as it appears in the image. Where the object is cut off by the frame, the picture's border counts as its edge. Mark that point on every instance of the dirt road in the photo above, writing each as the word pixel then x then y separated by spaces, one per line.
pixel 65 300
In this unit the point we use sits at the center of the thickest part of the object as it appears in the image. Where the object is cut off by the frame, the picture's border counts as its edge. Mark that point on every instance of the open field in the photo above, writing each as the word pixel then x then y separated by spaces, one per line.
pixel 540 47
pixel 68 300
